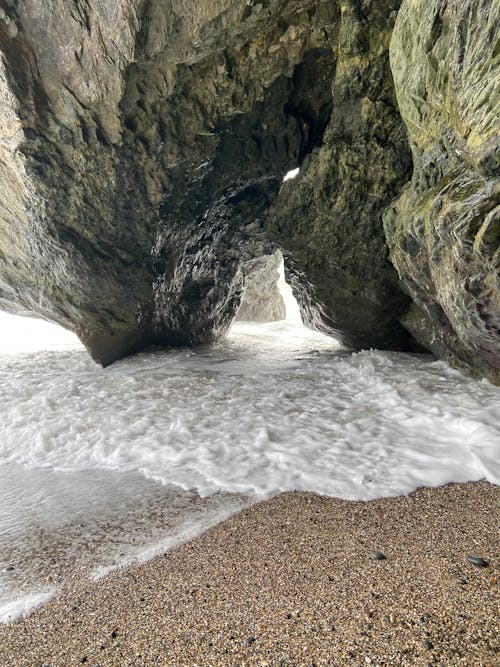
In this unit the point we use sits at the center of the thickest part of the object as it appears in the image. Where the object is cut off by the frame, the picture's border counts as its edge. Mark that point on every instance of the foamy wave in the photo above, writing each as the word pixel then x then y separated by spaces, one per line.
pixel 256 414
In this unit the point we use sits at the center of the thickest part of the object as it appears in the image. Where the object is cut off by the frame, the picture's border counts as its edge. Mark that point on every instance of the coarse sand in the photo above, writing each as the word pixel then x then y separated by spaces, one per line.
pixel 290 582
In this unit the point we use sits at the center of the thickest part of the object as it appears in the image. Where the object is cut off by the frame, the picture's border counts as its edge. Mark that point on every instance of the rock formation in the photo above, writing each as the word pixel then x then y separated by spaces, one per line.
pixel 262 300
pixel 444 230
pixel 143 146
pixel 329 216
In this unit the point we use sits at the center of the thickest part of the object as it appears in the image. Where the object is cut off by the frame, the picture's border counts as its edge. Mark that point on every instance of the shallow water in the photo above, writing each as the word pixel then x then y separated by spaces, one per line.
pixel 273 408
pixel 54 524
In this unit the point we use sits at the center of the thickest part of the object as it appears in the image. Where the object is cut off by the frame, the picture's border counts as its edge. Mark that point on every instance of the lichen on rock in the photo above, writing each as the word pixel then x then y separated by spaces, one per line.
pixel 444 230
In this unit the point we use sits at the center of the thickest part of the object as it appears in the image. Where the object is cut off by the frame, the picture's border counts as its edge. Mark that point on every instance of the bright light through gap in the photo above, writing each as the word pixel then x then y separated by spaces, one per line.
pixel 291 174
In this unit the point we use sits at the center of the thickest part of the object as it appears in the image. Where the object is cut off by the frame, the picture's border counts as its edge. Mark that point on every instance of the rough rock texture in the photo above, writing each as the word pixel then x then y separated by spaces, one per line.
pixel 262 300
pixel 143 143
pixel 444 230
pixel 330 217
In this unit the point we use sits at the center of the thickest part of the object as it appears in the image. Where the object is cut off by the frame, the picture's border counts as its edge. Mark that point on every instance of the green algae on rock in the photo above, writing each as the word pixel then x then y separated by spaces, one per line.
pixel 143 147
pixel 444 230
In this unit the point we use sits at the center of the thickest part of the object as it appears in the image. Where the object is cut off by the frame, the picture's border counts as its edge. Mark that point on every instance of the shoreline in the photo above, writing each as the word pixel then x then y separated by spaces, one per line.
pixel 289 582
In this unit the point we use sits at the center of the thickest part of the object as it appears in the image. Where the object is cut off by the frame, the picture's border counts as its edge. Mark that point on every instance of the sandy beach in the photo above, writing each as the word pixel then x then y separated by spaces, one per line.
pixel 293 581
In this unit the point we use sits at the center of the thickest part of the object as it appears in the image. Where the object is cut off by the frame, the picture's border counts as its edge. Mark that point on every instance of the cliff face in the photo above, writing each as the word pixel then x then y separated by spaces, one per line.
pixel 143 146
pixel 444 230
pixel 329 216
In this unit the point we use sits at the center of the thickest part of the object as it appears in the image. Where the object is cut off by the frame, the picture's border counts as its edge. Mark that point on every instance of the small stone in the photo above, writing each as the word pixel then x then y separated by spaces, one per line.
pixel 477 561
pixel 376 555
pixel 250 641
pixel 427 644
pixel 114 634
pixel 9 568
pixel 462 580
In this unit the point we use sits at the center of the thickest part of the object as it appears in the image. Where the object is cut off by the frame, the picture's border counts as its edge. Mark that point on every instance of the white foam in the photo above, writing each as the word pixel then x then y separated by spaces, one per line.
pixel 255 415
pixel 20 606
pixel 273 408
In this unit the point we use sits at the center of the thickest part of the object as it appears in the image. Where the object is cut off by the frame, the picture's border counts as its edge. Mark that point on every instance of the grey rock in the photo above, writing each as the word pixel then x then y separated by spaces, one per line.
pixel 376 555
pixel 444 230
pixel 262 300
pixel 329 218
pixel 142 146
pixel 477 561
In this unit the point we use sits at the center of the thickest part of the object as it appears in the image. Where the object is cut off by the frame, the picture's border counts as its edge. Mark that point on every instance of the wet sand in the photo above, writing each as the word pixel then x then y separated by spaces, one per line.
pixel 290 582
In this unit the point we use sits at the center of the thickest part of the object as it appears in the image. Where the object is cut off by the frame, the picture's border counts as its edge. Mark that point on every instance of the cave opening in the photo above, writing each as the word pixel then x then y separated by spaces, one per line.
pixel 267 297
pixel 25 335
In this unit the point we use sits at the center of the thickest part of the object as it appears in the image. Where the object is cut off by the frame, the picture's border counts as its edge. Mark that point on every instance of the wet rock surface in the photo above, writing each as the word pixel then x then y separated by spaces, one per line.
pixel 444 230
pixel 329 216
pixel 143 147
pixel 262 300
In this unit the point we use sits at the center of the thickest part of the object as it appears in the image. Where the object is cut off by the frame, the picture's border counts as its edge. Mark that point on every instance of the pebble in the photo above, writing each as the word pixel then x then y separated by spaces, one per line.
pixel 477 561
pixel 250 641
pixel 376 555
pixel 427 644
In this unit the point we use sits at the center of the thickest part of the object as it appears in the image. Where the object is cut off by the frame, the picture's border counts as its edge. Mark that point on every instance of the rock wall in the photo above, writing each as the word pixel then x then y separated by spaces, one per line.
pixel 262 300
pixel 143 147
pixel 444 230
pixel 330 216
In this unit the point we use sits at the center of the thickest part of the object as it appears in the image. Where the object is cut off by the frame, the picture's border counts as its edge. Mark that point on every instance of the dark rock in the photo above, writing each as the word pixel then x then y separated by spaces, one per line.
pixel 376 555
pixel 140 157
pixel 444 230
pixel 477 561
pixel 329 216
pixel 427 644
pixel 250 641
pixel 9 568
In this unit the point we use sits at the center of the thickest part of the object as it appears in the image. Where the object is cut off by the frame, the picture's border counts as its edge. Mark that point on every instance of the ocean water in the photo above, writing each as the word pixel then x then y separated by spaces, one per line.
pixel 99 467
